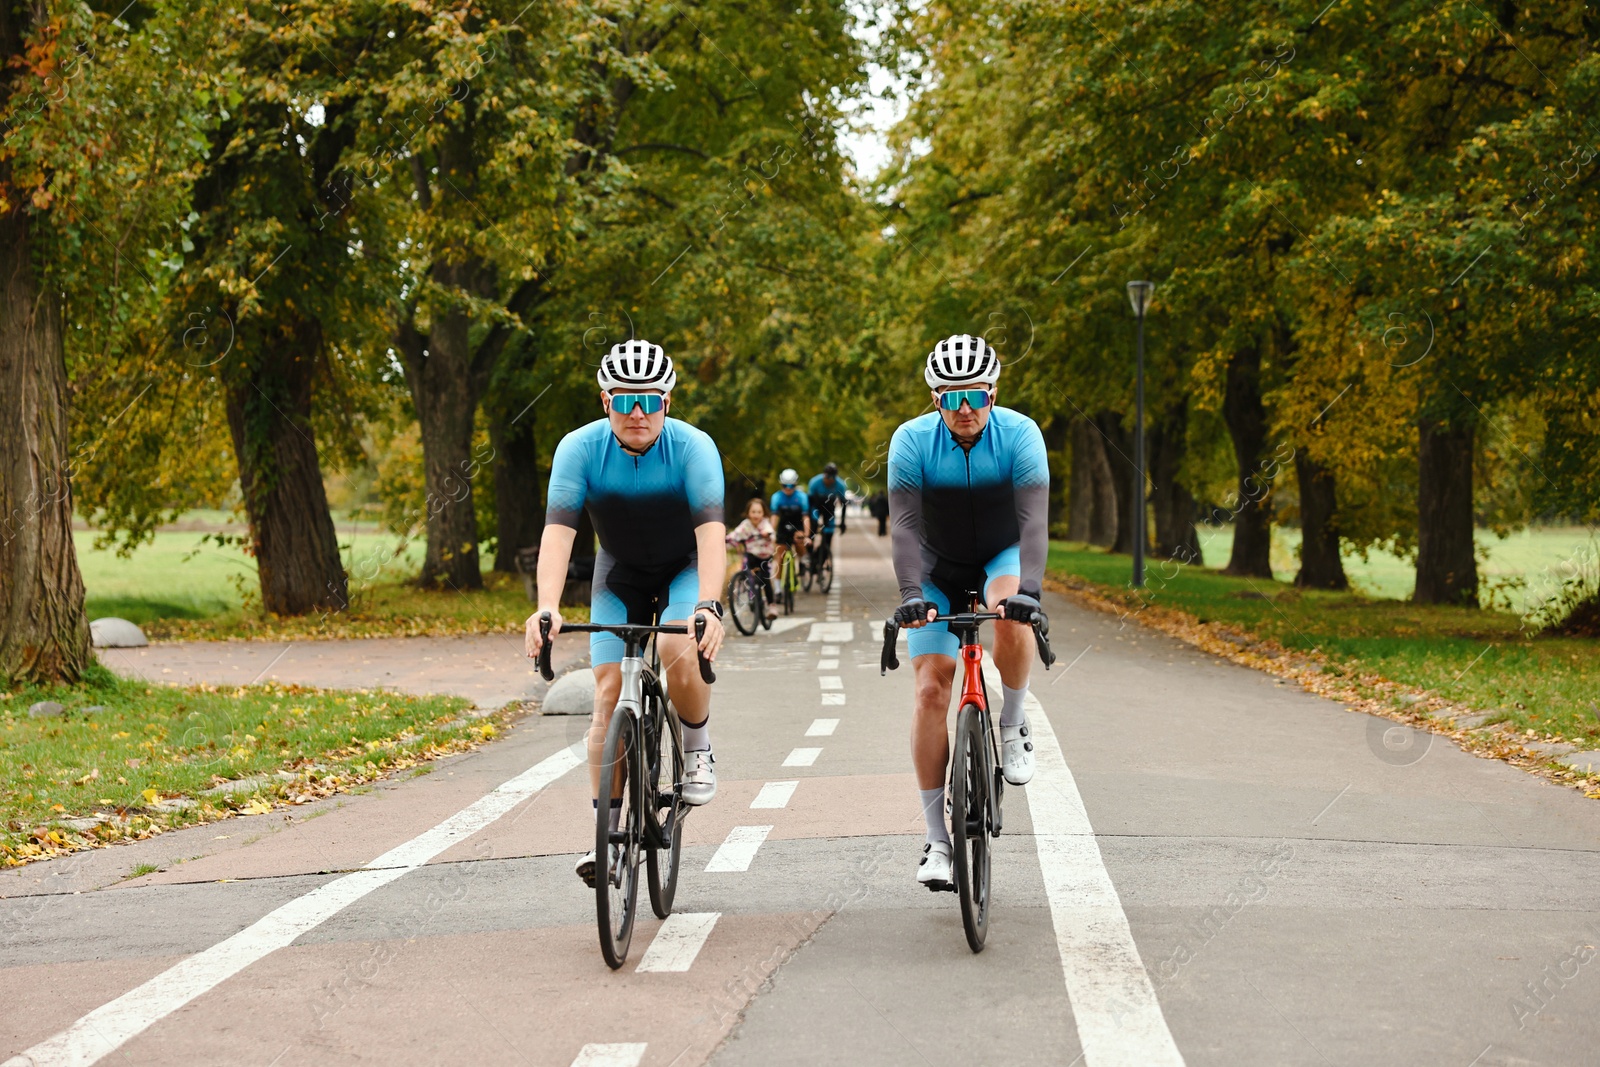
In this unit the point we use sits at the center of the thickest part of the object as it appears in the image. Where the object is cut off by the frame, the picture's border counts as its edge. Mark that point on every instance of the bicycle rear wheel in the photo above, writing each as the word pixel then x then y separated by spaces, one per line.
pixel 969 823
pixel 665 802
pixel 825 573
pixel 616 884
pixel 744 603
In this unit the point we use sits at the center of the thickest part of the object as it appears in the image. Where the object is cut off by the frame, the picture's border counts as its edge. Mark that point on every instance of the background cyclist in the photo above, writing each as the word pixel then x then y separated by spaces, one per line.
pixel 757 538
pixel 969 485
pixel 827 495
pixel 653 488
pixel 792 512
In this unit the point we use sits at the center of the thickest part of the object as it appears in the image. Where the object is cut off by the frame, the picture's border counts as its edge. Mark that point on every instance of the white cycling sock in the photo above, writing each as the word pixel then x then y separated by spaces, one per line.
pixel 933 813
pixel 1011 713
pixel 697 738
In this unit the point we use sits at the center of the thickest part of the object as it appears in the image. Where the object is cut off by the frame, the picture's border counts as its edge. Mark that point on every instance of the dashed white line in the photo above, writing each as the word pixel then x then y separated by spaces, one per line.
pixel 832 631
pixel 1113 1003
pixel 822 727
pixel 830 650
pixel 827 664
pixel 738 849
pixel 621 1054
pixel 802 757
pixel 774 795
pixel 832 699
pixel 831 681
pixel 110 1026
pixel 678 941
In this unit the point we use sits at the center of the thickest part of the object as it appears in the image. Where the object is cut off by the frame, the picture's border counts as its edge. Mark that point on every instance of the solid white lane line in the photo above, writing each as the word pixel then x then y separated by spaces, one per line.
pixel 678 941
pixel 822 727
pixel 832 699
pixel 112 1025
pixel 830 681
pixel 1118 1017
pixel 614 1055
pixel 827 664
pixel 738 849
pixel 774 795
pixel 802 757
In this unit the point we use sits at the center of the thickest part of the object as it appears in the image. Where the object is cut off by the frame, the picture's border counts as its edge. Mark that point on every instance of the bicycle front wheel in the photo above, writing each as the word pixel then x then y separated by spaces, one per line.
pixel 744 602
pixel 805 573
pixel 825 574
pixel 969 822
pixel 665 799
pixel 616 852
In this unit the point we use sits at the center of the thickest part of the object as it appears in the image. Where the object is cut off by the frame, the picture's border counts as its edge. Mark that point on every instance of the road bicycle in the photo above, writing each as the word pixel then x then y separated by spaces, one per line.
pixel 788 580
pixel 977 784
pixel 819 565
pixel 747 599
pixel 643 761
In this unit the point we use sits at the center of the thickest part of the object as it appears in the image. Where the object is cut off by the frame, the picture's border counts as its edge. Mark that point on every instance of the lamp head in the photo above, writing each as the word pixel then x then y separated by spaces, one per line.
pixel 1139 296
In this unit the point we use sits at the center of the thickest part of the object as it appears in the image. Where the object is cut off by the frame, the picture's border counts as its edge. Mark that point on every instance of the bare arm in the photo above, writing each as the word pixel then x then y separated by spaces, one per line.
pixel 709 539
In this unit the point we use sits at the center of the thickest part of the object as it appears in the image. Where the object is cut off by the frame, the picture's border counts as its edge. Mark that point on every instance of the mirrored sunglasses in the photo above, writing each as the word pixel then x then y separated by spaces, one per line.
pixel 952 400
pixel 649 403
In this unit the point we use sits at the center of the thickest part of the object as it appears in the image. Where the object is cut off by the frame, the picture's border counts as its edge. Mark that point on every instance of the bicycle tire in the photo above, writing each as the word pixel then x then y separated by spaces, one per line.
pixel 739 602
pixel 615 911
pixel 666 770
pixel 805 574
pixel 825 575
pixel 970 796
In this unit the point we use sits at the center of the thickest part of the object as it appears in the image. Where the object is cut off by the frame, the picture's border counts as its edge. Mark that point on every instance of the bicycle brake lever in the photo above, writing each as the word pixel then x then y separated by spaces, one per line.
pixel 705 664
pixel 889 661
pixel 545 670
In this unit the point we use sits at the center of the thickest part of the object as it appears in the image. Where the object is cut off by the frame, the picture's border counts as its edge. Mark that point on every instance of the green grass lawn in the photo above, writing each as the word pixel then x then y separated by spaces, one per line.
pixel 184 585
pixel 126 760
pixel 1483 658
pixel 1512 570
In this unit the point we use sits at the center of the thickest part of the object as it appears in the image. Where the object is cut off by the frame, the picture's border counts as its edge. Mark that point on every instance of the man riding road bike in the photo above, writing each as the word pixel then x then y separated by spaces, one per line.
pixel 969 485
pixel 791 511
pixel 653 488
pixel 826 493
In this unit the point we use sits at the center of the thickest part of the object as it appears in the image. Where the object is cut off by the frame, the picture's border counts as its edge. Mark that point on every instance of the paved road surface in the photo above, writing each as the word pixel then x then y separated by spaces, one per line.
pixel 1210 868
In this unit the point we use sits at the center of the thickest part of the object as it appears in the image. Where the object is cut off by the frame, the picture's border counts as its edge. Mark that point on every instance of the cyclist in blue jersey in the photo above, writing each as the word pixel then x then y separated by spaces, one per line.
pixel 653 488
pixel 791 513
pixel 969 485
pixel 826 493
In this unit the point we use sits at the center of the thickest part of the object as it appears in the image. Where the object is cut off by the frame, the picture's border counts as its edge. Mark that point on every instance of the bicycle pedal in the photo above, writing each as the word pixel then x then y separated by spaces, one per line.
pixel 940 887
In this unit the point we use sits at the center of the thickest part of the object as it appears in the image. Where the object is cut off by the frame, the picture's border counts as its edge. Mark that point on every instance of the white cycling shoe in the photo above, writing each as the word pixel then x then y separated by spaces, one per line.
pixel 699 777
pixel 934 870
pixel 1016 753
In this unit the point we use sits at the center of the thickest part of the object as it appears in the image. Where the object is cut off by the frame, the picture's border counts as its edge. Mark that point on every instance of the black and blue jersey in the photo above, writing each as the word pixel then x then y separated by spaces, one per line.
pixel 957 508
pixel 827 503
pixel 645 508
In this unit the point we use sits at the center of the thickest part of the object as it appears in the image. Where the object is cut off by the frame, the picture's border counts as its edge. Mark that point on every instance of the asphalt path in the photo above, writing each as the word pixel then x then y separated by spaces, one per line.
pixel 1211 867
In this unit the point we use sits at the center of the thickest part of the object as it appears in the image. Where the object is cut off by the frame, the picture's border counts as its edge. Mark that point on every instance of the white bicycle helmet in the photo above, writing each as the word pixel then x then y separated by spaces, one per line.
pixel 962 360
pixel 636 365
pixel 789 477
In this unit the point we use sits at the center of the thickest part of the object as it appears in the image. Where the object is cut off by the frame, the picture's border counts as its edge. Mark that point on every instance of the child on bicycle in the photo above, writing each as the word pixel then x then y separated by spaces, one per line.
pixel 758 540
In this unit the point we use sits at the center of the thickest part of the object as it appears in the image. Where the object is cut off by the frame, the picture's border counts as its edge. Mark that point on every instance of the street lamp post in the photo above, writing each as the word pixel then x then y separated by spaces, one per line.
pixel 1139 296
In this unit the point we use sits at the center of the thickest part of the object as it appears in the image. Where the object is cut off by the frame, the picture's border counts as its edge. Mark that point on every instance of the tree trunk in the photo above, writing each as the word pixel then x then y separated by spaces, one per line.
pixel 292 533
pixel 1246 417
pixel 1320 564
pixel 1056 435
pixel 1447 569
pixel 519 508
pixel 1117 444
pixel 1173 504
pixel 45 636
pixel 1092 497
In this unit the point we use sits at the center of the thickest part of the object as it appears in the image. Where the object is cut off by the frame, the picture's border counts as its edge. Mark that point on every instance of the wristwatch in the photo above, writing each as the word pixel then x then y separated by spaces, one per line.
pixel 713 606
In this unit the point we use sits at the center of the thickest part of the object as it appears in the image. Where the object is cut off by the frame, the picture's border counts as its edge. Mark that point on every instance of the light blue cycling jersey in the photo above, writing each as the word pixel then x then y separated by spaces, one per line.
pixel 645 508
pixel 826 503
pixel 790 508
pixel 957 509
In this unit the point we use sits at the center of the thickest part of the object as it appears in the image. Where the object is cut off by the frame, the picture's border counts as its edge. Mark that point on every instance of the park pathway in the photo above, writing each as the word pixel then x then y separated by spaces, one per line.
pixel 1210 868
